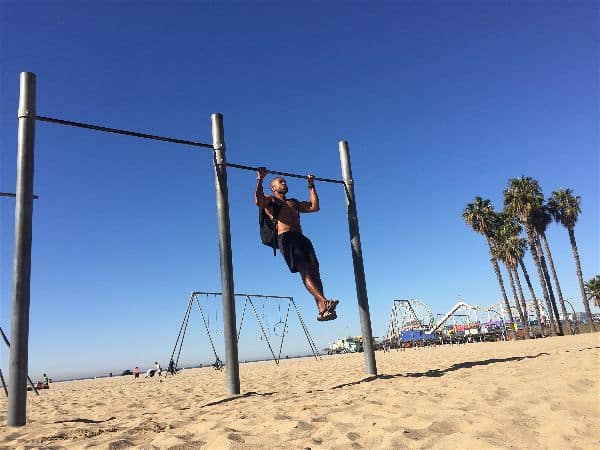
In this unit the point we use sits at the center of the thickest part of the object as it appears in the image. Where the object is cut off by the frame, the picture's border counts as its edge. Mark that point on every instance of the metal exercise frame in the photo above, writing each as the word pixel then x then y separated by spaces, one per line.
pixel 17 389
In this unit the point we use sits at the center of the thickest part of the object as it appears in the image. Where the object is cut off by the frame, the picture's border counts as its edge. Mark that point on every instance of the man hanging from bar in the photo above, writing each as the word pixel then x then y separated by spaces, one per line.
pixel 297 250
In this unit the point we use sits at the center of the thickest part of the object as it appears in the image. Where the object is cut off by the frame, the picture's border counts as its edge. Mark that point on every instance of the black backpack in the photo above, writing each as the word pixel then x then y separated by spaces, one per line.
pixel 268 227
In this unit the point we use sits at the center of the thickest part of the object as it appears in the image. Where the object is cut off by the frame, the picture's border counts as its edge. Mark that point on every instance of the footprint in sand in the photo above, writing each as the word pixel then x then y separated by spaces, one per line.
pixel 301 430
pixel 443 428
pixel 304 426
pixel 192 445
pixel 353 436
pixel 119 444
pixel 236 438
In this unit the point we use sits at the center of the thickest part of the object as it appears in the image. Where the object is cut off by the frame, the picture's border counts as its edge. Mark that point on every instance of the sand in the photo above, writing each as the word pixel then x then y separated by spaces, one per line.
pixel 539 394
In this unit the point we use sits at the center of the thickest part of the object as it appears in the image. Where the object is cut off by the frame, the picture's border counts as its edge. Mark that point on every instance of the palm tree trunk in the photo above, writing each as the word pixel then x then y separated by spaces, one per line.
pixel 536 304
pixel 549 285
pixel 514 290
pixel 501 283
pixel 561 300
pixel 586 302
pixel 504 296
pixel 524 305
pixel 538 266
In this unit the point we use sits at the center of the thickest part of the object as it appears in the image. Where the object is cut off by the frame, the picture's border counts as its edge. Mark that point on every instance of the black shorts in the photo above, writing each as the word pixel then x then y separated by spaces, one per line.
pixel 297 250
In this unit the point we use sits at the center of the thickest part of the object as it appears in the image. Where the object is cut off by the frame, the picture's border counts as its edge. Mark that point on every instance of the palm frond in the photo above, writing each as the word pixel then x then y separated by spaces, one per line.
pixel 522 197
pixel 565 207
pixel 592 290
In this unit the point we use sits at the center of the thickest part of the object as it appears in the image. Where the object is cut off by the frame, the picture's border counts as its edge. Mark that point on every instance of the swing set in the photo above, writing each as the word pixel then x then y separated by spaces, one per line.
pixel 280 328
pixel 7 343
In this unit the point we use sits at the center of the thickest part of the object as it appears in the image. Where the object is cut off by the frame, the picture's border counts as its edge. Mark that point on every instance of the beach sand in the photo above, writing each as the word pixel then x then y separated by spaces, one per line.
pixel 538 394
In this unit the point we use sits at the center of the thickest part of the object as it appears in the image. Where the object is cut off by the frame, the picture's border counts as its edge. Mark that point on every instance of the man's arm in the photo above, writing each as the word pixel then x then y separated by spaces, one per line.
pixel 259 196
pixel 313 204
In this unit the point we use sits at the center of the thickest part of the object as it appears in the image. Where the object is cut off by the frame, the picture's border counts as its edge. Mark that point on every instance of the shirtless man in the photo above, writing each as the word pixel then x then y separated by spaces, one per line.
pixel 296 248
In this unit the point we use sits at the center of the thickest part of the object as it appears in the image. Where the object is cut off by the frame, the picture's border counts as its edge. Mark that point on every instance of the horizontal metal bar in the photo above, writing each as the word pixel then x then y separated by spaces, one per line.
pixel 125 132
pixel 244 295
pixel 10 194
pixel 286 174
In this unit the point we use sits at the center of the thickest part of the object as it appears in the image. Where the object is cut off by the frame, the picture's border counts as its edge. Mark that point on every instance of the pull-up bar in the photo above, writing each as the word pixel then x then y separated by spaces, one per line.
pixel 10 194
pixel 286 174
pixel 117 131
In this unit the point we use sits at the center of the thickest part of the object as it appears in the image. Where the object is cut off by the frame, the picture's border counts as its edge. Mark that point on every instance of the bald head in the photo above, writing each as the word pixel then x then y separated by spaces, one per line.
pixel 278 185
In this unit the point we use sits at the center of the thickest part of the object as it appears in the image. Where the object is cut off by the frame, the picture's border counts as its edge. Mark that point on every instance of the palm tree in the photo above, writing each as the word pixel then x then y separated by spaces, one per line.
pixel 565 208
pixel 522 197
pixel 481 217
pixel 592 290
pixel 536 304
pixel 541 220
pixel 554 311
pixel 517 246
pixel 506 247
pixel 498 251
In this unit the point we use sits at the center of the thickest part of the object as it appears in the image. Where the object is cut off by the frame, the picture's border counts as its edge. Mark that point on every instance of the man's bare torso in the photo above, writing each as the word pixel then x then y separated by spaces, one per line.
pixel 289 217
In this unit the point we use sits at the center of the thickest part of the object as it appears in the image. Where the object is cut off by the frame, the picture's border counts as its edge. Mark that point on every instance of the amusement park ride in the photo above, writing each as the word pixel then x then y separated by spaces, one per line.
pixel 412 323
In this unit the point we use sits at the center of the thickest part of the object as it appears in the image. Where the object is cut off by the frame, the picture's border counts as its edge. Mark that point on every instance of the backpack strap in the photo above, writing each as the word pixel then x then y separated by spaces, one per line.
pixel 277 205
pixel 276 209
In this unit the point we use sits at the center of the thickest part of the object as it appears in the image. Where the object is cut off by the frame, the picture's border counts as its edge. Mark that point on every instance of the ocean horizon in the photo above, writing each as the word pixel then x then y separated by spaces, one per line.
pixel 96 374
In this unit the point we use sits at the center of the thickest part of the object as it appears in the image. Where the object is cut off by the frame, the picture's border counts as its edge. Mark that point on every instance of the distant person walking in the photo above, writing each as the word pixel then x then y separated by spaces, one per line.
pixel 136 372
pixel 158 368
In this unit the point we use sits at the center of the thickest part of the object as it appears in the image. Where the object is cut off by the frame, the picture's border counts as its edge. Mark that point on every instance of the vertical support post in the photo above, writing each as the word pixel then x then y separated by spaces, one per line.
pixel 357 259
pixel 229 332
pixel 18 361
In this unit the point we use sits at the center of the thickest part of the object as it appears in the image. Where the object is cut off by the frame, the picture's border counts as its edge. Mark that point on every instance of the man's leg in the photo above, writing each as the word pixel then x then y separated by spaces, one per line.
pixel 312 282
pixel 317 278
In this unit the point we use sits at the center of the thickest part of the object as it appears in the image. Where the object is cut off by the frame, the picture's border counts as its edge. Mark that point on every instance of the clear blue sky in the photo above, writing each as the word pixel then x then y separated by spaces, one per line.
pixel 440 102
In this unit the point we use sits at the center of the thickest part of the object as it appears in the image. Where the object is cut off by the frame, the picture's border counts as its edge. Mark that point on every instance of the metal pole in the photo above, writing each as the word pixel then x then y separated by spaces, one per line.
pixel 17 371
pixel 229 333
pixel 359 270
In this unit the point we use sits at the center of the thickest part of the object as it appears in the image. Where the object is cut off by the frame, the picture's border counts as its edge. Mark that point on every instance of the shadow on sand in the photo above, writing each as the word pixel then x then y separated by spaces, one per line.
pixel 440 372
pixel 237 397
pixel 435 373
pixel 82 420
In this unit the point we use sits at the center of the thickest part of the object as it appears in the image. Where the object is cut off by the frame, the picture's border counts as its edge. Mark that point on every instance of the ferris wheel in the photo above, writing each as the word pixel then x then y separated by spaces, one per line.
pixel 409 315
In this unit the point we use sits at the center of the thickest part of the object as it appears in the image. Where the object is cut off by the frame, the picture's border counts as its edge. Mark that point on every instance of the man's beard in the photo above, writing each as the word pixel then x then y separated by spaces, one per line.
pixel 283 190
